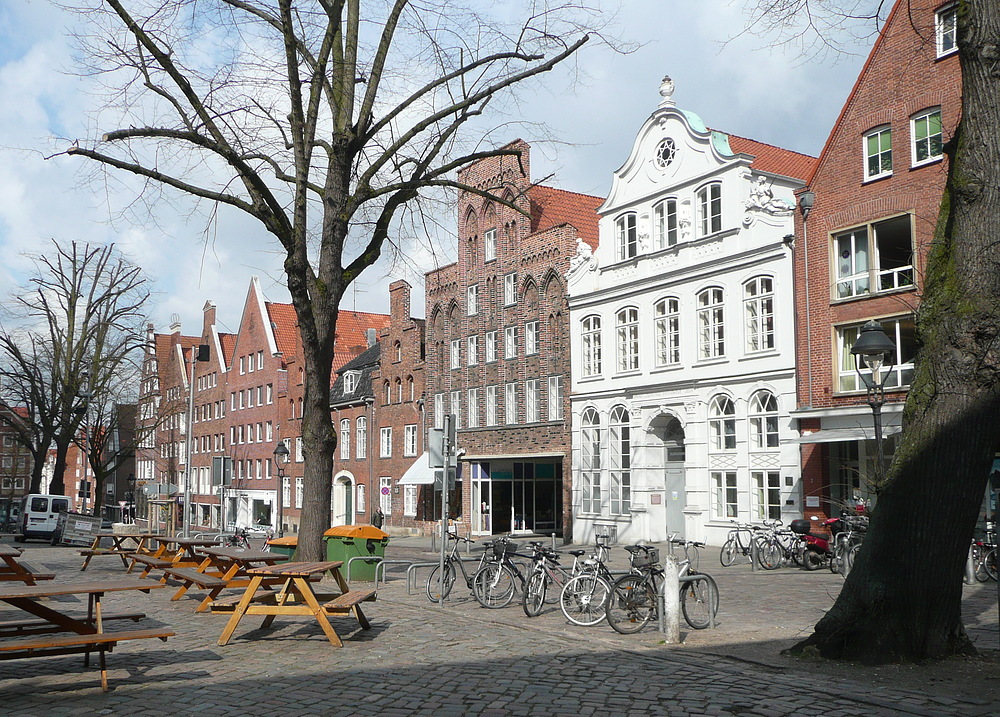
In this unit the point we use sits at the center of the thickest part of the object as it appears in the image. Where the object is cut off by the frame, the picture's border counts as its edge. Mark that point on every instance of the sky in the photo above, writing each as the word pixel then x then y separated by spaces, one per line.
pixel 594 111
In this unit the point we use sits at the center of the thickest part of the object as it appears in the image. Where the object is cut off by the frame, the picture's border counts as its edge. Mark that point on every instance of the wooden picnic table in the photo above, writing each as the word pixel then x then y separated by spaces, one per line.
pixel 13 568
pixel 141 544
pixel 295 596
pixel 54 632
pixel 221 568
pixel 173 552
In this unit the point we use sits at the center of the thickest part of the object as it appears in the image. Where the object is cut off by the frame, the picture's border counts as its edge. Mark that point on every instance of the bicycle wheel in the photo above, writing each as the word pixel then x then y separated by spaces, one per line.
pixel 990 563
pixel 699 601
pixel 434 586
pixel 631 604
pixel 729 552
pixel 493 586
pixel 769 553
pixel 798 552
pixel 533 597
pixel 852 555
pixel 583 599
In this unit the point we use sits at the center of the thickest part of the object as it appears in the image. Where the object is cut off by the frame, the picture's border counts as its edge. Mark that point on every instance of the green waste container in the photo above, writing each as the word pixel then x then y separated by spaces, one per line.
pixel 344 542
pixel 285 546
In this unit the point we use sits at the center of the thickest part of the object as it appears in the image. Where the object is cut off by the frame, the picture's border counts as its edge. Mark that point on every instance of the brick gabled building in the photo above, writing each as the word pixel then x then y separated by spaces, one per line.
pixel 497 356
pixel 861 247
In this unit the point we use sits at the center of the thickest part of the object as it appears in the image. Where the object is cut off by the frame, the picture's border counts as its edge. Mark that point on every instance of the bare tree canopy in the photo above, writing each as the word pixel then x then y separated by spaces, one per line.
pixel 68 338
pixel 322 119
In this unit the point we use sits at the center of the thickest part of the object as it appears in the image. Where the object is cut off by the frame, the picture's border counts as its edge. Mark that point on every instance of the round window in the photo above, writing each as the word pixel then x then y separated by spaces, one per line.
pixel 665 152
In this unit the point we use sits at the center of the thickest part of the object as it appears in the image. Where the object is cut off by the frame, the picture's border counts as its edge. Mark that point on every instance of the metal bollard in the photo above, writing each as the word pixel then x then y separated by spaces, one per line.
pixel 754 557
pixel 970 569
pixel 553 541
pixel 670 602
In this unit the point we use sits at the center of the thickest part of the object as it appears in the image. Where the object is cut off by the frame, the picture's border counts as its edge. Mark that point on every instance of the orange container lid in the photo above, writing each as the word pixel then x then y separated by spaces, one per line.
pixel 362 532
pixel 288 540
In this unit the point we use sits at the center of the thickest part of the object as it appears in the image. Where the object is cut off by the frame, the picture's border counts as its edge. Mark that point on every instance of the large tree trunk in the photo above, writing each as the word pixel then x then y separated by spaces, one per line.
pixel 902 600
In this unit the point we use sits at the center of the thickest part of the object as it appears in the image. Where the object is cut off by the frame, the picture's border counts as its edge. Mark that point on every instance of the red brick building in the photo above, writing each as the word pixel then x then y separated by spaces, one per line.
pixel 497 351
pixel 861 247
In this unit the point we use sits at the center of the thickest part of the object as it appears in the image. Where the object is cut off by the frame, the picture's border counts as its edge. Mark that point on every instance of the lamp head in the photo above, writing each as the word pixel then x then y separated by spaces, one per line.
pixel 875 349
pixel 280 453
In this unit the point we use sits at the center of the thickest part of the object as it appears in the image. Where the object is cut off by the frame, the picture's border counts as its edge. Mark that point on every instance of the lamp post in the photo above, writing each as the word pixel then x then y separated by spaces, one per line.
pixel 280 458
pixel 84 392
pixel 875 351
pixel 130 497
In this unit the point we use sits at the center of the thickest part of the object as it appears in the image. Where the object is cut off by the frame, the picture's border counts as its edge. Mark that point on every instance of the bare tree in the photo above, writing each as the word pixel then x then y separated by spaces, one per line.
pixel 323 120
pixel 902 600
pixel 68 338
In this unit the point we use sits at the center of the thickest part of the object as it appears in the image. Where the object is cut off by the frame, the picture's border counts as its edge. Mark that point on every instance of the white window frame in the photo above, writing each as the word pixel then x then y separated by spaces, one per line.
pixel 531 338
pixel 345 439
pixel 627 335
pixel 455 353
pixel 721 424
pixel 410 500
pixel 438 410
pixel 491 346
pixel 350 382
pixel 555 398
pixel 491 405
pixel 385 442
pixel 455 405
pixel 946 30
pixel 472 300
pixel 472 350
pixel 861 271
pixel 590 463
pixel 767 499
pixel 665 228
pixel 626 236
pixel 532 408
pixel 711 323
pixel 510 342
pixel 472 408
pixel 725 495
pixel 359 491
pixel 901 331
pixel 510 403
pixel 300 492
pixel 932 139
pixel 882 154
pixel 620 461
pixel 510 289
pixel 590 337
pixel 758 314
pixel 385 495
pixel 763 418
pixel 709 202
pixel 490 245
pixel 667 331
pixel 361 437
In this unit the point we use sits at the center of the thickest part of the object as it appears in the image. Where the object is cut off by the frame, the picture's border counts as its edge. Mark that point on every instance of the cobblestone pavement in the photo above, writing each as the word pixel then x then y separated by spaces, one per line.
pixel 421 659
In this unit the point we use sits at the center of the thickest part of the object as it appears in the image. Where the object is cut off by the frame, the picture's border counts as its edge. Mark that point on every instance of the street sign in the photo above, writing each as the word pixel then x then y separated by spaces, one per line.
pixel 122 503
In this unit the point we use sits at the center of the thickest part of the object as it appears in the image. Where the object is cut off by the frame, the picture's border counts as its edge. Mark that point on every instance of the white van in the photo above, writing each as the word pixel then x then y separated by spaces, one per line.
pixel 40 515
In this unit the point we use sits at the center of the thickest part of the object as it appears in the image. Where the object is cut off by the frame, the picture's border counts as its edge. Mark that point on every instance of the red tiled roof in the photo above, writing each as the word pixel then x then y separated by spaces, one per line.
pixel 228 343
pixel 284 323
pixel 775 160
pixel 552 207
pixel 351 338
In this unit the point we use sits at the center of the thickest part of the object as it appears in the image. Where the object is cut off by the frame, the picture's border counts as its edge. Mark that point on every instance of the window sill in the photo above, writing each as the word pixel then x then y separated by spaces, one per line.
pixel 926 163
pixel 872 295
pixel 711 361
pixel 769 353
pixel 876 178
pixel 628 374
pixel 591 379
pixel 667 368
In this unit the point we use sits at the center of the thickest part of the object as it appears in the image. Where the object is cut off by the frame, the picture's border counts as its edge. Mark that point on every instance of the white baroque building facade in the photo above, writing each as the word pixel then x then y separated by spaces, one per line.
pixel 682 329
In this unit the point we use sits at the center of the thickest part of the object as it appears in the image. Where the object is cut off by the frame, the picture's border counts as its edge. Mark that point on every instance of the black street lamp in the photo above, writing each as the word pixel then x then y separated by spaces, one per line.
pixel 280 458
pixel 876 352
pixel 130 497
pixel 84 392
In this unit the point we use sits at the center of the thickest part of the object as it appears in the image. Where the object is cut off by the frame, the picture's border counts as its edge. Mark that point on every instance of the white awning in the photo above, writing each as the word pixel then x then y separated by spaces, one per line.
pixel 420 473
pixel 833 435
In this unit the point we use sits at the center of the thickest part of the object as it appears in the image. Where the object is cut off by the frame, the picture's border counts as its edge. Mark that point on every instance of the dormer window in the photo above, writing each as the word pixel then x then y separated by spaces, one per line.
pixel 350 382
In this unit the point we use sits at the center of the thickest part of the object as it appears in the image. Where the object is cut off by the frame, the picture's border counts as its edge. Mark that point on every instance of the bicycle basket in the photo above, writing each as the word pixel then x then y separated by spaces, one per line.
pixel 502 548
pixel 650 556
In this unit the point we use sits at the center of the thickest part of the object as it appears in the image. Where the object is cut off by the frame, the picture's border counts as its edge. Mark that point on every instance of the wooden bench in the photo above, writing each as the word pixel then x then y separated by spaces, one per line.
pixel 36 572
pixel 345 602
pixel 90 553
pixel 70 644
pixel 208 581
pixel 32 627
pixel 150 562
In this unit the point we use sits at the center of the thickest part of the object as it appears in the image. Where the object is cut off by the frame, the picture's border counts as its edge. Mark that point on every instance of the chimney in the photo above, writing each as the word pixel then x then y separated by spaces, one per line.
pixel 209 319
pixel 370 335
pixel 399 301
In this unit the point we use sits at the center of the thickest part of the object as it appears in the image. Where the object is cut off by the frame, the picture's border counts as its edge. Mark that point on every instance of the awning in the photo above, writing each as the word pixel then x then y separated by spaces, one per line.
pixel 420 473
pixel 833 435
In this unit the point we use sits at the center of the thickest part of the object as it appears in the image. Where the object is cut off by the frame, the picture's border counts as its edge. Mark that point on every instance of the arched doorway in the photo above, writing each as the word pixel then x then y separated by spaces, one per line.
pixel 668 433
pixel 342 500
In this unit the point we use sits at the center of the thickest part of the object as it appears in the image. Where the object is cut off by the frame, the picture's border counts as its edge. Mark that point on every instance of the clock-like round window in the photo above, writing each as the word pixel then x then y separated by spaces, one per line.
pixel 666 150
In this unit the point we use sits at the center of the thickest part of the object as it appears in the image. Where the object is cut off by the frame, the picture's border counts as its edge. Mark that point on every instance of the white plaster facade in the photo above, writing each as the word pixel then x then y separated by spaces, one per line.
pixel 692 306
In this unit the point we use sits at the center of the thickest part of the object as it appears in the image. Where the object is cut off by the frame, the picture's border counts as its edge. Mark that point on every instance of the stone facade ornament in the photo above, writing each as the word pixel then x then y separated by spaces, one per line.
pixel 584 258
pixel 667 92
pixel 762 198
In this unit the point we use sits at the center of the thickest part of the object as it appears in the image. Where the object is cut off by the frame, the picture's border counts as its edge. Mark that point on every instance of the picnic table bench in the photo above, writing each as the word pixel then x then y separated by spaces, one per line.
pixel 140 546
pixel 53 632
pixel 221 568
pixel 182 555
pixel 13 568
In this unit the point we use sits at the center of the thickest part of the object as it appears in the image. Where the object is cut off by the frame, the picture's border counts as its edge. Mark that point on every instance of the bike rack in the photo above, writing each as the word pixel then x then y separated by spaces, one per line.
pixel 410 573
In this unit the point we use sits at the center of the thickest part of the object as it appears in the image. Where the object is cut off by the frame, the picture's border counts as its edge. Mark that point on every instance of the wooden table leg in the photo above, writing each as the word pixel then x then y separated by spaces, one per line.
pixel 317 610
pixel 240 610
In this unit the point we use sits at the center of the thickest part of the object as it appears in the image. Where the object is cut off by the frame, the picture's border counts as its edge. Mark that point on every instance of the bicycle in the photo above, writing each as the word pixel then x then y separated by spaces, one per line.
pixel 738 542
pixel 634 597
pixel 776 547
pixel 545 571
pixel 495 584
pixel 435 589
pixel 584 597
pixel 849 535
pixel 239 539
